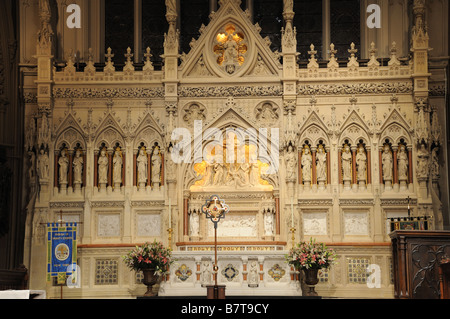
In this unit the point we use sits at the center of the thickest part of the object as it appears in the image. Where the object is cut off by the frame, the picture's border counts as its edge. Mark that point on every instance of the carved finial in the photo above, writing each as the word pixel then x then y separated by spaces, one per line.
pixel 109 56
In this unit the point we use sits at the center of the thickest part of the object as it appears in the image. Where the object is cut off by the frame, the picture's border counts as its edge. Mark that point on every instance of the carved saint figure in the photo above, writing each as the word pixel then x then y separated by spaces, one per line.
pixel 306 165
pixel 117 167
pixel 43 165
pixel 268 223
pixel 170 164
pixel 78 167
pixel 321 166
pixel 254 170
pixel 219 172
pixel 402 158
pixel 386 160
pixel 63 167
pixel 194 223
pixel 231 50
pixel 347 163
pixel 142 162
pixel 253 273
pixel 361 163
pixel 206 272
pixel 435 169
pixel 156 166
pixel 208 176
pixel 291 164
pixel 103 164
pixel 422 165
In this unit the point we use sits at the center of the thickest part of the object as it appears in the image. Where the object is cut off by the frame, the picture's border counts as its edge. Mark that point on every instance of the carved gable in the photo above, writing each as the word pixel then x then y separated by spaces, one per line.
pixel 229 46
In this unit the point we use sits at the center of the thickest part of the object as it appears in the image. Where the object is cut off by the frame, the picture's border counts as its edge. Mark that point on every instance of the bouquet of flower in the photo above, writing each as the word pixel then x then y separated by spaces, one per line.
pixel 312 255
pixel 150 256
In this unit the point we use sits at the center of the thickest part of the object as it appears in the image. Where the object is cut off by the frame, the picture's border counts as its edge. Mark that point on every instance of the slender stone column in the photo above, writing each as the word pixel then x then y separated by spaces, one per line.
pixel 300 178
pixel 70 184
pixel 354 179
pixel 96 169
pixel 369 167
pixel 328 167
pixel 56 181
pixel 341 181
pixel 381 166
pixel 410 166
pixel 135 169
pixel 314 165
pixel 395 165
pixel 110 168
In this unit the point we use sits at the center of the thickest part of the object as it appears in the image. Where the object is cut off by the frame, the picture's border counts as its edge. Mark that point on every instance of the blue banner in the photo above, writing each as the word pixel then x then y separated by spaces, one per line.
pixel 61 250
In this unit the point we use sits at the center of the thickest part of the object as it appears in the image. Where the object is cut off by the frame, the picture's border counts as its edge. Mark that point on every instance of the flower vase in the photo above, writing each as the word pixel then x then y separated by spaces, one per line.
pixel 311 280
pixel 149 279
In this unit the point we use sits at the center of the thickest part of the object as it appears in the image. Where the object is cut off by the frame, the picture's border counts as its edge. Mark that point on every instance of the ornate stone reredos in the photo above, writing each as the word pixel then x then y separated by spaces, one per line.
pixel 244 51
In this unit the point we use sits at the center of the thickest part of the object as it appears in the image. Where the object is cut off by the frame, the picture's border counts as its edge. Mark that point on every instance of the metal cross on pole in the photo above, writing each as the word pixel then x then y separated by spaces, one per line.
pixel 215 209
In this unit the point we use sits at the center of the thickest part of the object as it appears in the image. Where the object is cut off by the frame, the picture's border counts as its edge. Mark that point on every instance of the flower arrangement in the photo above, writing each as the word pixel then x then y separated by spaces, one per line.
pixel 311 255
pixel 150 256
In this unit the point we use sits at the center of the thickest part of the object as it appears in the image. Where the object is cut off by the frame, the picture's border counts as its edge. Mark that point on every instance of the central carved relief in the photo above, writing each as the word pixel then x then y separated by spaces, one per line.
pixel 230 48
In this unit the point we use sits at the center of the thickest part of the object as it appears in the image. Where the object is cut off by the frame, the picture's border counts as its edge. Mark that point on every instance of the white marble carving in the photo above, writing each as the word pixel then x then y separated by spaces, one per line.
pixel 315 224
pixel 235 225
pixel 356 223
pixel 108 225
pixel 148 225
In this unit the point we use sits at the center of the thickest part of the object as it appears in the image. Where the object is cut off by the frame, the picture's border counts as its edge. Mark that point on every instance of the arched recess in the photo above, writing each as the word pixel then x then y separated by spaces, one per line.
pixel 109 146
pixel 69 142
pixel 354 141
pixel 395 138
pixel 148 137
pixel 315 138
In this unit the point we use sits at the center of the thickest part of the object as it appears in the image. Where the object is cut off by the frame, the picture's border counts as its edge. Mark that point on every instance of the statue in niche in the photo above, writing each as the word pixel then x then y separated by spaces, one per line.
pixel 268 223
pixel 435 169
pixel 206 272
pixel 103 164
pixel 291 164
pixel 231 50
pixel 254 170
pixel 321 166
pixel 387 163
pixel 306 165
pixel 43 165
pixel 142 163
pixel 402 167
pixel 117 168
pixel 253 273
pixel 361 163
pixel 170 164
pixel 422 164
pixel 156 167
pixel 78 168
pixel 63 167
pixel 194 221
pixel 346 163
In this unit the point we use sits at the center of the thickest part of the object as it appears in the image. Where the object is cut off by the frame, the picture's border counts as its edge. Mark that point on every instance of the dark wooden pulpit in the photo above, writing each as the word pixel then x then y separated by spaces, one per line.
pixel 416 256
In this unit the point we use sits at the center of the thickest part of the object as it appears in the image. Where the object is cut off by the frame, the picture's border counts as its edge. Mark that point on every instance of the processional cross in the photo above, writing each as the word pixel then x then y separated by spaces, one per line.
pixel 215 209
